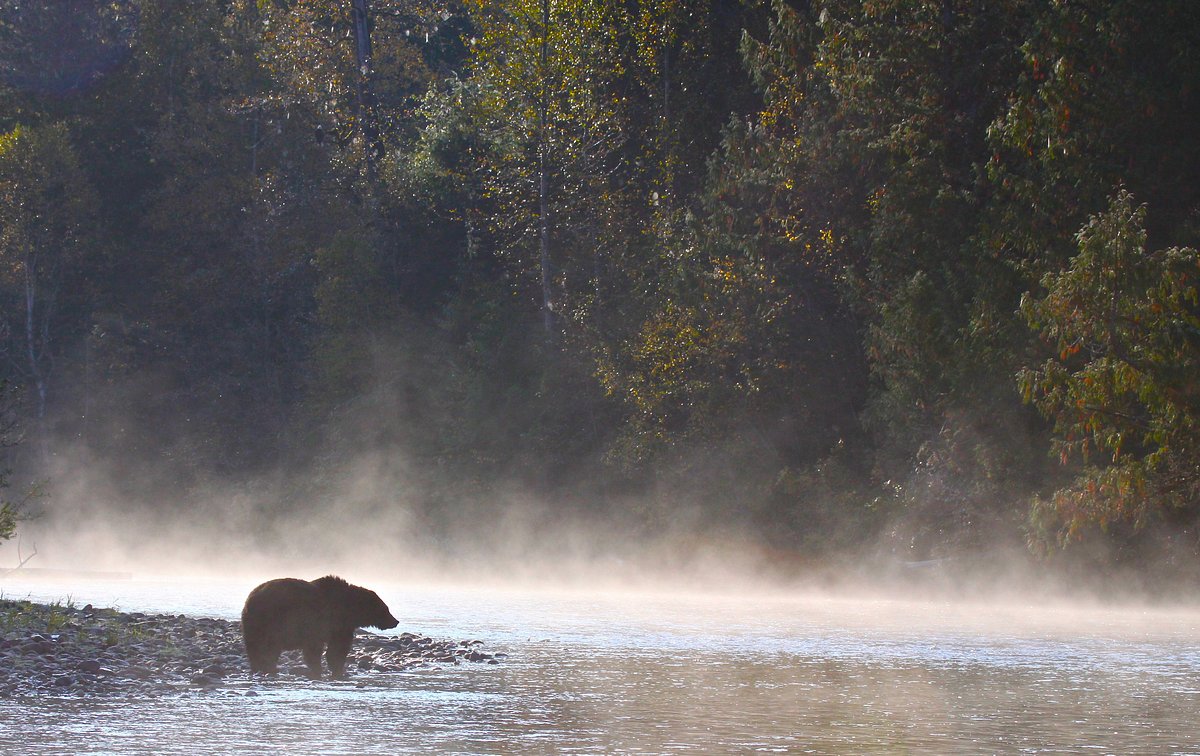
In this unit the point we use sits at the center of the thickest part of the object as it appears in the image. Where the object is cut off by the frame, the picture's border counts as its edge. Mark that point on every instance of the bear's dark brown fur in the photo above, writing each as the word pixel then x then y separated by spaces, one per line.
pixel 310 615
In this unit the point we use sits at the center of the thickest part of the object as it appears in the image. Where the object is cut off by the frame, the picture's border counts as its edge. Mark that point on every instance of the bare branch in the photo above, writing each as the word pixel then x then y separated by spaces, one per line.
pixel 21 562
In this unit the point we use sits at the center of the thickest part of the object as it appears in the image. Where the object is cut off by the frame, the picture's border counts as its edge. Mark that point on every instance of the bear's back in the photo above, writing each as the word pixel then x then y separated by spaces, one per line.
pixel 286 611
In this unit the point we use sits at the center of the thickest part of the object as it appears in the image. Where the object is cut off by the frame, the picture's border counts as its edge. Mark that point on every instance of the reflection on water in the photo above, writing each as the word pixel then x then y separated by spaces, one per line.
pixel 654 675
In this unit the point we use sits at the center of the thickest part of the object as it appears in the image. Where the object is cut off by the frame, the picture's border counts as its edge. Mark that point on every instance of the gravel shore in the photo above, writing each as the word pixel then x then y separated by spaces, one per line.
pixel 55 649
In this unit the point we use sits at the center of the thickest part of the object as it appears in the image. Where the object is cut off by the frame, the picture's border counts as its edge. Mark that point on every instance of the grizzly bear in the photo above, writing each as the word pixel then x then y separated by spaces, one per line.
pixel 310 615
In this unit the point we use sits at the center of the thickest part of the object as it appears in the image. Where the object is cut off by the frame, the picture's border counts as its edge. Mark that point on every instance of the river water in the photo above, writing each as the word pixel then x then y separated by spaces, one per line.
pixel 639 673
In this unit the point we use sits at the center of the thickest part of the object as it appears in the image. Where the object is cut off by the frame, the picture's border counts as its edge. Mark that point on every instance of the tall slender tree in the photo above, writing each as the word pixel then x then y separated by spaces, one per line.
pixel 46 211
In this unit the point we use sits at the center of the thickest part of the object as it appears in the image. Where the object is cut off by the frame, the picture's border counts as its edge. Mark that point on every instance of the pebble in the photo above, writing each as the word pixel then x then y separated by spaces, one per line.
pixel 67 651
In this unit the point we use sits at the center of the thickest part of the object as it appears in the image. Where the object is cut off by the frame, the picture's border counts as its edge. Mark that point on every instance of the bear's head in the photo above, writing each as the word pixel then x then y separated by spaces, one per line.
pixel 354 605
pixel 371 611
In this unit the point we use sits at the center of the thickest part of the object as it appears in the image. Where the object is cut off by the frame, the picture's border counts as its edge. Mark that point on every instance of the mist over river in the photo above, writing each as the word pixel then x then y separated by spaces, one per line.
pixel 654 673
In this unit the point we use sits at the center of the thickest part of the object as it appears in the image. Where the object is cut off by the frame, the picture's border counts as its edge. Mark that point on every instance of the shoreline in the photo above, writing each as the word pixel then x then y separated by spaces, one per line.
pixel 54 573
pixel 63 650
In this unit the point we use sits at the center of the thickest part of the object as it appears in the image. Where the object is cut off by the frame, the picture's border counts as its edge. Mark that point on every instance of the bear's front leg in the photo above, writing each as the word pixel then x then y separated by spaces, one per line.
pixel 337 650
pixel 262 657
pixel 312 657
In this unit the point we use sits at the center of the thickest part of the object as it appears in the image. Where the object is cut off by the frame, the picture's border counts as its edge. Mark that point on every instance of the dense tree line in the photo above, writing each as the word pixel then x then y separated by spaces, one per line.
pixel 918 272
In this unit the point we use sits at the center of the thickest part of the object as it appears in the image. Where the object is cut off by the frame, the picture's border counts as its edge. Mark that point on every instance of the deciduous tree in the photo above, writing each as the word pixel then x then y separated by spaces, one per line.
pixel 1123 323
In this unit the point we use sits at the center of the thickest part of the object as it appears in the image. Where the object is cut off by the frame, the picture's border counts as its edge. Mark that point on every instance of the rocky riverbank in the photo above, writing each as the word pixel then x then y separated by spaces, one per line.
pixel 55 649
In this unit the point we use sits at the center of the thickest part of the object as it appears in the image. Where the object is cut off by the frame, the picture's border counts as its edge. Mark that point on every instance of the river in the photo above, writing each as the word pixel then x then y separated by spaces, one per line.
pixel 646 673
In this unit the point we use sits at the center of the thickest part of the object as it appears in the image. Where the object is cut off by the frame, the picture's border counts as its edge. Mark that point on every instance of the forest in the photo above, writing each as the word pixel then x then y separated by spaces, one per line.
pixel 836 276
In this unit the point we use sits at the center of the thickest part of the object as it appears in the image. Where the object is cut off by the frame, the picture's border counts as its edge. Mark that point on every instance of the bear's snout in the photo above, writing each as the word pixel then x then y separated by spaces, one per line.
pixel 388 623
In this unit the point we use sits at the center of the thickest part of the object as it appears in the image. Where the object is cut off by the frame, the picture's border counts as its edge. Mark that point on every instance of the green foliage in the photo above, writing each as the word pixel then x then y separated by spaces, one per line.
pixel 8 521
pixel 47 211
pixel 1124 325
pixel 1103 98
pixel 12 512
pixel 310 51
pixel 45 202
pixel 747 265
pixel 549 110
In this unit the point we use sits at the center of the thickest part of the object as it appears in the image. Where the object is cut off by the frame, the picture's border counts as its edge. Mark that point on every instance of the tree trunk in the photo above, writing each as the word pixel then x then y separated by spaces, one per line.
pixel 543 187
pixel 364 98
pixel 34 351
